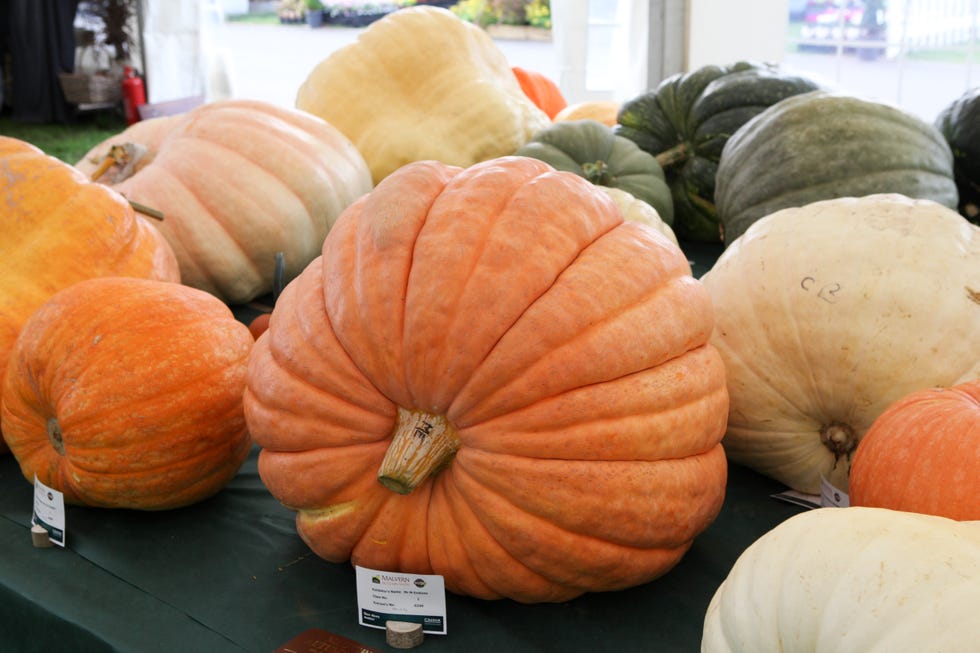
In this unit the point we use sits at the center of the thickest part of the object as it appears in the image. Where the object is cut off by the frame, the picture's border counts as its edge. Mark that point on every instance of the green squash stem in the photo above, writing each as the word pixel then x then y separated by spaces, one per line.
pixel 597 172
pixel 677 154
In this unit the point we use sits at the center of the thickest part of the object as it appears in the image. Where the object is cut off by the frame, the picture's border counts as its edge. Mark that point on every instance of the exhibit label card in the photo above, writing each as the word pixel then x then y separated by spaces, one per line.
pixel 49 511
pixel 832 497
pixel 829 497
pixel 390 596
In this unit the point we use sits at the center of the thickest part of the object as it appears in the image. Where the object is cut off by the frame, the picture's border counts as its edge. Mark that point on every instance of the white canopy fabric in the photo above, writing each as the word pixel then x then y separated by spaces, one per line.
pixel 179 51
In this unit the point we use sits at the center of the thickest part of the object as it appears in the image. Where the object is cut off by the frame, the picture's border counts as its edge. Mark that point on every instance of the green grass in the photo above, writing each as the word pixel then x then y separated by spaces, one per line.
pixel 960 53
pixel 268 18
pixel 66 142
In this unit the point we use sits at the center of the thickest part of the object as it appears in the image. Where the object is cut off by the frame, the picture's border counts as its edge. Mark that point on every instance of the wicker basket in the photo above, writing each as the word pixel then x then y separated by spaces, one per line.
pixel 93 88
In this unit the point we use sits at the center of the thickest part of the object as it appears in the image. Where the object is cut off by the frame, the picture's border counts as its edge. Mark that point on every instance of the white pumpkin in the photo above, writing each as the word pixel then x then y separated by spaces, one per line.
pixel 828 313
pixel 852 580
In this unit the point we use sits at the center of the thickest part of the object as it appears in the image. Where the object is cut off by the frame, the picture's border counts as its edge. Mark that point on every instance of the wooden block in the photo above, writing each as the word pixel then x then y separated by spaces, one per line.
pixel 403 634
pixel 40 537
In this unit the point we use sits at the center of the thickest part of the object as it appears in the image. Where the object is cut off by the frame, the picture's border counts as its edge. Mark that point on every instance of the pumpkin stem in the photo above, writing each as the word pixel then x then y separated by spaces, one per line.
pixel 676 154
pixel 146 210
pixel 596 172
pixel 839 438
pixel 54 434
pixel 421 445
pixel 127 157
pixel 278 276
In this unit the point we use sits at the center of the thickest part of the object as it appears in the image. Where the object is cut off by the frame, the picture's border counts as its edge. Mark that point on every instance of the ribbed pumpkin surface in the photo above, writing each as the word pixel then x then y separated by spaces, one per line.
pixel 127 393
pixel 851 580
pixel 923 455
pixel 828 313
pixel 237 182
pixel 422 84
pixel 821 145
pixel 959 123
pixel 59 229
pixel 590 149
pixel 562 350
pixel 687 119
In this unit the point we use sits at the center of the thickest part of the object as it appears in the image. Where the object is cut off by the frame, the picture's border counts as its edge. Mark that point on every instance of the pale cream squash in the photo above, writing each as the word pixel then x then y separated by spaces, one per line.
pixel 237 182
pixel 422 84
pixel 852 580
pixel 828 313
pixel 636 210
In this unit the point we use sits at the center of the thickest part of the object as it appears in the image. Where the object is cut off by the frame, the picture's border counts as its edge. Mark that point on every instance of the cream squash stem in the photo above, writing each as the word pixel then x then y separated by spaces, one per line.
pixel 839 438
pixel 421 445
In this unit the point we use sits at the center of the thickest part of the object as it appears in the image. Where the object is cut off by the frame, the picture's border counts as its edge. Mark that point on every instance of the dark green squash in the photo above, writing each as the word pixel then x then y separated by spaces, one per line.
pixel 824 145
pixel 959 123
pixel 591 150
pixel 685 122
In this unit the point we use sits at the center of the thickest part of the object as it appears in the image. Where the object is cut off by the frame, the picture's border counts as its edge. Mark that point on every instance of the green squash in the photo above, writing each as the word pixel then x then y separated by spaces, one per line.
pixel 959 123
pixel 686 121
pixel 824 145
pixel 591 150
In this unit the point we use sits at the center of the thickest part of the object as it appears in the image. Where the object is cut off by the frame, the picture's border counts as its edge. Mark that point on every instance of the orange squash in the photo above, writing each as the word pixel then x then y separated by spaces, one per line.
pixel 923 455
pixel 490 376
pixel 127 393
pixel 605 111
pixel 541 90
pixel 58 229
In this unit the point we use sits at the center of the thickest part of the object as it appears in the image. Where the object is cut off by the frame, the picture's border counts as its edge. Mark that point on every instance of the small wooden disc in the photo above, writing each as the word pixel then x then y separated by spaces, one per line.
pixel 40 537
pixel 403 634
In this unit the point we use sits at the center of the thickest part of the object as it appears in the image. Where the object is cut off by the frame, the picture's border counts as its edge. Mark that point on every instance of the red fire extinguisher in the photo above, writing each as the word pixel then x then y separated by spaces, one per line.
pixel 133 95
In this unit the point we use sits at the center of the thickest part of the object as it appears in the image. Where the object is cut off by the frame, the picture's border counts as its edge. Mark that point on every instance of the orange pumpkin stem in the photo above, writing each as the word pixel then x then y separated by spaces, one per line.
pixel 421 445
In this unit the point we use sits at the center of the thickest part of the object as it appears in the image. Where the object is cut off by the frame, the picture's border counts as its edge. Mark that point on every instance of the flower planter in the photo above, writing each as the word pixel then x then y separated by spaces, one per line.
pixel 518 32
pixel 314 18
pixel 356 20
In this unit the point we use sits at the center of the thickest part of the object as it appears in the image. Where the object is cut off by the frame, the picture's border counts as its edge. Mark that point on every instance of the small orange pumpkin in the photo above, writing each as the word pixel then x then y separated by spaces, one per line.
pixel 541 90
pixel 127 393
pixel 490 376
pixel 58 229
pixel 923 455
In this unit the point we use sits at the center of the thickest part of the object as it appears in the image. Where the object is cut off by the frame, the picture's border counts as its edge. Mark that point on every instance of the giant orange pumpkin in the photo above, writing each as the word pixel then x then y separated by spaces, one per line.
pixel 58 229
pixel 127 393
pixel 923 455
pixel 490 376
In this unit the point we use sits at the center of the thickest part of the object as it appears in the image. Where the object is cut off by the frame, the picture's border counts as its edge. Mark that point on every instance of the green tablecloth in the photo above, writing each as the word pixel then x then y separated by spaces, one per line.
pixel 230 574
